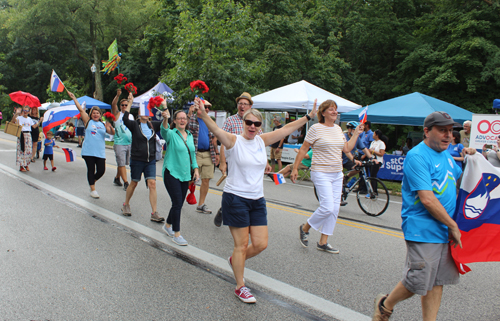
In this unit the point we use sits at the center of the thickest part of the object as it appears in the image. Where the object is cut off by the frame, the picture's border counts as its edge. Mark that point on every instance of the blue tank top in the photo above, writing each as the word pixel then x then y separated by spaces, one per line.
pixel 94 145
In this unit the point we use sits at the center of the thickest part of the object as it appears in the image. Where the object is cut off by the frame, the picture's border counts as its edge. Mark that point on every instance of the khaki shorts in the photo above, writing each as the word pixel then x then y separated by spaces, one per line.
pixel 276 153
pixel 301 166
pixel 122 154
pixel 428 265
pixel 205 165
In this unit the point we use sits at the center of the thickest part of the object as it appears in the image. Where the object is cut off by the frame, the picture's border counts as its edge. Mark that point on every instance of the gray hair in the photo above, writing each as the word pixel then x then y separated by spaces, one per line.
pixel 254 112
pixel 467 122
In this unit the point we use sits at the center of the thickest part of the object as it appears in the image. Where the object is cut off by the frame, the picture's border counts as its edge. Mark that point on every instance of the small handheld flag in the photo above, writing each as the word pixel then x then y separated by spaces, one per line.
pixel 70 154
pixel 363 116
pixel 55 83
pixel 277 178
pixel 144 110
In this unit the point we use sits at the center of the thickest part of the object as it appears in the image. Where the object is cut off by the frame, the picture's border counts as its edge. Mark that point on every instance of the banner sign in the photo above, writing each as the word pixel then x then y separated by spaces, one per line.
pixel 485 130
pixel 288 154
pixel 392 168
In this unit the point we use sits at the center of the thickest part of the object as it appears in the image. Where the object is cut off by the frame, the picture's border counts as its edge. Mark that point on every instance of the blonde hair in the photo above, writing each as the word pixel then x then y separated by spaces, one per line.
pixel 254 112
pixel 324 106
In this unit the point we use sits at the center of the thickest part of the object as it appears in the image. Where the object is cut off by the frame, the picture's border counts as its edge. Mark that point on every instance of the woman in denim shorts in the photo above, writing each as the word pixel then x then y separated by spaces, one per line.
pixel 243 204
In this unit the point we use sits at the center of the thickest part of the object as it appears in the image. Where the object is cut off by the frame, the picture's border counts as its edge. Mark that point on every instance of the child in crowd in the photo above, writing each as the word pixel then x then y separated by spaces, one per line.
pixel 48 152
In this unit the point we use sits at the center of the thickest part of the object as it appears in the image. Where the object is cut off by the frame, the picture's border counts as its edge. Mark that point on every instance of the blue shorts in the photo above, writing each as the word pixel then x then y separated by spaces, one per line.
pixel 243 212
pixel 138 167
pixel 80 131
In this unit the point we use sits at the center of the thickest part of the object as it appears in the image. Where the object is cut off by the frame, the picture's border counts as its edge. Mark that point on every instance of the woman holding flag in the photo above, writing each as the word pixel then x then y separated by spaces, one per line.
pixel 243 204
pixel 24 142
pixel 327 142
pixel 93 151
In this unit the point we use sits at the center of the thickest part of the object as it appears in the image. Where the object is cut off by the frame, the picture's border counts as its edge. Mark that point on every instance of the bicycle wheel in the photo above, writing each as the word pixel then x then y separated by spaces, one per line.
pixel 374 204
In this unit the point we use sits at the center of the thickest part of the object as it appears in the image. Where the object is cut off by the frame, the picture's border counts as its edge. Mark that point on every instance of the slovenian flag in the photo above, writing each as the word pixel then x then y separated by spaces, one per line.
pixel 55 83
pixel 59 115
pixel 144 110
pixel 363 116
pixel 478 214
pixel 70 154
pixel 277 178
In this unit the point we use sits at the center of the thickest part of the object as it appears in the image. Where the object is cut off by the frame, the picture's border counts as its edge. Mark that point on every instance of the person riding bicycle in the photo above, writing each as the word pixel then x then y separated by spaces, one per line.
pixel 346 162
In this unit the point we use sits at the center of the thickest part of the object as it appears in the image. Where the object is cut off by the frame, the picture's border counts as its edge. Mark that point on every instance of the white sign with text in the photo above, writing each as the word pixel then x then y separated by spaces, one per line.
pixel 485 130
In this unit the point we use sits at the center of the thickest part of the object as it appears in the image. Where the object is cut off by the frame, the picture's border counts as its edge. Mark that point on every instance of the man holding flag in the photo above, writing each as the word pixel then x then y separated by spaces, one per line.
pixel 429 199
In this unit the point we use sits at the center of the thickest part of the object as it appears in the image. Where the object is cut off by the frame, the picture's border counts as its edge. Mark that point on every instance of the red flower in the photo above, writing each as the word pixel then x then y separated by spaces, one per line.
pixel 198 86
pixel 109 116
pixel 120 78
pixel 155 102
pixel 131 88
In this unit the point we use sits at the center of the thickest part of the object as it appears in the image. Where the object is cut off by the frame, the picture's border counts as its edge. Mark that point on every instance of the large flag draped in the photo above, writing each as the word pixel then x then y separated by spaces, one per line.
pixel 478 214
pixel 59 115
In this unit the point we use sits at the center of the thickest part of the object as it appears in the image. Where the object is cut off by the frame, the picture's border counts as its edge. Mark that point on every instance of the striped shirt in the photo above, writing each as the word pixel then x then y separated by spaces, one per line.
pixel 327 144
pixel 234 125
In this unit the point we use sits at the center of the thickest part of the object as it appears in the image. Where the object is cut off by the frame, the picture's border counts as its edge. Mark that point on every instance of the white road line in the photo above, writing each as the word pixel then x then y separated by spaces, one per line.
pixel 327 307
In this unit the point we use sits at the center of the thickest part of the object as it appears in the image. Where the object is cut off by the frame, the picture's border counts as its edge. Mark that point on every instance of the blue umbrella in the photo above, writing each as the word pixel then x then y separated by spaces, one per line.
pixel 91 102
pixel 409 109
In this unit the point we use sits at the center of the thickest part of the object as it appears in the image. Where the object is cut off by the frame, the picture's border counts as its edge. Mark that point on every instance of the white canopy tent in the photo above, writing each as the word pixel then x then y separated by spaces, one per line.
pixel 159 89
pixel 299 96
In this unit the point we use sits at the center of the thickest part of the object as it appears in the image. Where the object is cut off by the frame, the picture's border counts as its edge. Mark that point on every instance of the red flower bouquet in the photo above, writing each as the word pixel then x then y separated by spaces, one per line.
pixel 155 102
pixel 119 79
pixel 131 88
pixel 198 87
pixel 109 117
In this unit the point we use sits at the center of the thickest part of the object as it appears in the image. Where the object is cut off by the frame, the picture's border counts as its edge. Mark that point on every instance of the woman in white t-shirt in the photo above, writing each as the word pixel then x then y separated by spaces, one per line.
pixel 243 204
pixel 24 142
pixel 377 148
pixel 327 142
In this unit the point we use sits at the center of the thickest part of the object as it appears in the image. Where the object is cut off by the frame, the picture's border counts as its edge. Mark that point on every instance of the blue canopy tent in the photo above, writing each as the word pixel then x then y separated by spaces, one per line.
pixel 91 102
pixel 409 110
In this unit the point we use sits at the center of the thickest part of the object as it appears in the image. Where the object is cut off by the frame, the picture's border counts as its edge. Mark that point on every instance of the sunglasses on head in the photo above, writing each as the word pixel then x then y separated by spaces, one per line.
pixel 250 123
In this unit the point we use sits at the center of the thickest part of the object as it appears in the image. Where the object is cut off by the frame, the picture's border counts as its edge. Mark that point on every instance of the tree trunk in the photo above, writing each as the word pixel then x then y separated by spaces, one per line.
pixel 97 94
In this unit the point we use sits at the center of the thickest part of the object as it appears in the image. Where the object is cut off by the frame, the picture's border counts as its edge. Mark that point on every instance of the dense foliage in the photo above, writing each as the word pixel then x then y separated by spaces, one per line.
pixel 365 51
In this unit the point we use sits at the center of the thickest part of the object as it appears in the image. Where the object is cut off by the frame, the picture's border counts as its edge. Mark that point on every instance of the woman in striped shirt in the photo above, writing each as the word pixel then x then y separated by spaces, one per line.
pixel 327 142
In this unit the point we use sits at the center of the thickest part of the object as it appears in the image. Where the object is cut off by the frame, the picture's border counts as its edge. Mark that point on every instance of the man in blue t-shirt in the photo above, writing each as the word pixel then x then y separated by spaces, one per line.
pixel 429 191
pixel 207 154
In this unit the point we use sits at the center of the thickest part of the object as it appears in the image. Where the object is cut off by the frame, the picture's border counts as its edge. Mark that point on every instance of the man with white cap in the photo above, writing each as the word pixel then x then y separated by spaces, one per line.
pixel 430 179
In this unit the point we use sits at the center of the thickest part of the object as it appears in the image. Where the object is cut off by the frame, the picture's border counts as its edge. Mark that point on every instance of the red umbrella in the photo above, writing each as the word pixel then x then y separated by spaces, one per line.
pixel 25 99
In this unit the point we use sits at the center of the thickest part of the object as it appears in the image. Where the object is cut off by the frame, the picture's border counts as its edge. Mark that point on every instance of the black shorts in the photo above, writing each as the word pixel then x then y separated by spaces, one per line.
pixel 348 165
pixel 48 156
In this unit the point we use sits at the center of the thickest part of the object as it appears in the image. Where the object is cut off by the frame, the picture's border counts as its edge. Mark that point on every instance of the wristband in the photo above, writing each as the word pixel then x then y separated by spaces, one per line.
pixel 308 117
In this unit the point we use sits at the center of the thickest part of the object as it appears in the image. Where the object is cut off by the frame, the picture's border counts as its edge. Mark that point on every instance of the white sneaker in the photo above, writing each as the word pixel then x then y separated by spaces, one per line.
pixel 94 194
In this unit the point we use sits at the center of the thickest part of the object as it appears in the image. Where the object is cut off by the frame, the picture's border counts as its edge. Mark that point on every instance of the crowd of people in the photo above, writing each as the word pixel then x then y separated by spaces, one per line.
pixel 192 154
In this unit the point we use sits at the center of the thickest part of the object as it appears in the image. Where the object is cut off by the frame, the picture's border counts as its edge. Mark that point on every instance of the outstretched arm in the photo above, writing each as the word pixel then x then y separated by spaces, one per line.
pixel 226 139
pixel 277 135
pixel 83 114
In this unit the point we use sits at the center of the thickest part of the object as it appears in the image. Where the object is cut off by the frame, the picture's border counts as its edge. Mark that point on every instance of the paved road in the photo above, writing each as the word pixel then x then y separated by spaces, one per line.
pixel 64 255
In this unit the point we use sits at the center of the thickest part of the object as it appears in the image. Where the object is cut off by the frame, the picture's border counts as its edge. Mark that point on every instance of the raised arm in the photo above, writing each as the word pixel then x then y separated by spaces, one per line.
pixel 114 104
pixel 348 146
pixel 226 139
pixel 277 135
pixel 83 114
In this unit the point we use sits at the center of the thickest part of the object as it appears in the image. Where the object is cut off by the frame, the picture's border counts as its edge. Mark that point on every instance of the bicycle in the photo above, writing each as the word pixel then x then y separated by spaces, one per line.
pixel 371 203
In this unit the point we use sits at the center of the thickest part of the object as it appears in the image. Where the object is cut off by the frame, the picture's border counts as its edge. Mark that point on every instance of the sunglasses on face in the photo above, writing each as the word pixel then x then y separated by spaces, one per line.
pixel 124 105
pixel 250 123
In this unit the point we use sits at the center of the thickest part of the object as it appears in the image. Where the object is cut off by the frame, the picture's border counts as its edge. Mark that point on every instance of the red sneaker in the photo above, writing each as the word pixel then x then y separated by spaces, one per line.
pixel 244 295
pixel 45 169
pixel 22 169
pixel 54 169
pixel 27 168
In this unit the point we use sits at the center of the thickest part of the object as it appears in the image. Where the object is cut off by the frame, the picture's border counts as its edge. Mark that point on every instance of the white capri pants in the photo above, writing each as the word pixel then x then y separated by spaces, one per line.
pixel 329 190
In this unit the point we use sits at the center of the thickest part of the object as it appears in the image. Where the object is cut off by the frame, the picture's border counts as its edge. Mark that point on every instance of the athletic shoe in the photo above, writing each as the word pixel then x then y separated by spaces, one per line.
pixel 22 169
pixel 45 169
pixel 179 240
pixel 380 312
pixel 343 203
pixel 203 209
pixel 54 169
pixel 94 194
pixel 125 186
pixel 156 218
pixel 27 168
pixel 117 181
pixel 303 237
pixel 218 218
pixel 168 230
pixel 244 295
pixel 126 210
pixel 327 248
